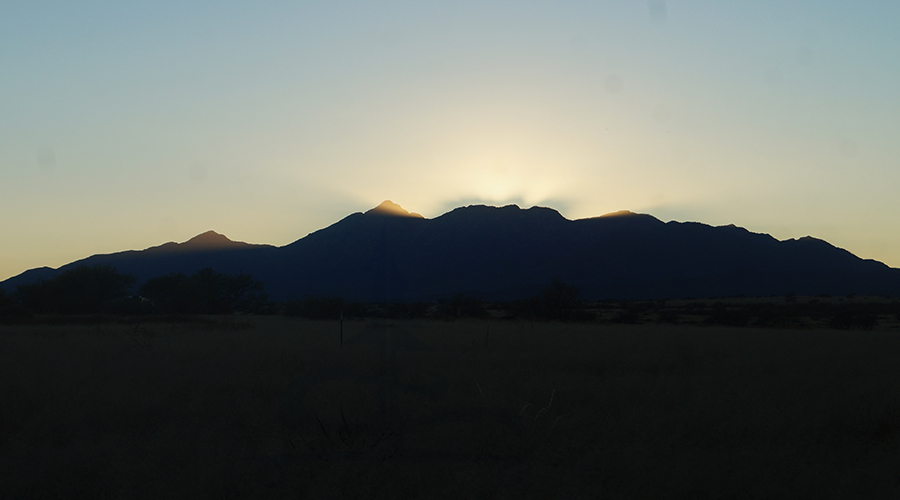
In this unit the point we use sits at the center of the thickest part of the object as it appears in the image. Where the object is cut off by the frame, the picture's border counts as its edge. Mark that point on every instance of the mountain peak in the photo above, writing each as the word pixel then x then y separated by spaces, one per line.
pixel 209 239
pixel 620 213
pixel 388 208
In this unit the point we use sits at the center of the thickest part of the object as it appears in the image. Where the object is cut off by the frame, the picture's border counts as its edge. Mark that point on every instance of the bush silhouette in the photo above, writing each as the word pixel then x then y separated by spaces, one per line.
pixel 318 307
pixel 401 310
pixel 14 314
pixel 10 312
pixel 853 318
pixel 461 306
pixel 731 316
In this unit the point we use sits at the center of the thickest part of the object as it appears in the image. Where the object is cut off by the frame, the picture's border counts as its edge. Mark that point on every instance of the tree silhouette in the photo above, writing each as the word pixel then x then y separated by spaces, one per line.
pixel 559 300
pixel 173 293
pixel 205 292
pixel 82 290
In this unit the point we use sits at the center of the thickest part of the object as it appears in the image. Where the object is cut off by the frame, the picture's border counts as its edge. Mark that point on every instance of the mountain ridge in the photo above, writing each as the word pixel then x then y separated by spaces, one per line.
pixel 507 253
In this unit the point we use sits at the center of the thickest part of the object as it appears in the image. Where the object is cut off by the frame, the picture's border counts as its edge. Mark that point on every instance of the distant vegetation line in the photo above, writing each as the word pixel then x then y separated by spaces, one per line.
pixel 101 290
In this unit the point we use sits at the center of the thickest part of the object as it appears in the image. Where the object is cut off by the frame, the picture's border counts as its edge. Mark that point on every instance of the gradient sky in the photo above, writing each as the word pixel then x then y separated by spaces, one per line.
pixel 125 125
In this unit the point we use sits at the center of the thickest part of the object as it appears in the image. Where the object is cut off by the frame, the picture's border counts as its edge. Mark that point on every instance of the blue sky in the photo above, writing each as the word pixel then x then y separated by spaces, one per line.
pixel 128 124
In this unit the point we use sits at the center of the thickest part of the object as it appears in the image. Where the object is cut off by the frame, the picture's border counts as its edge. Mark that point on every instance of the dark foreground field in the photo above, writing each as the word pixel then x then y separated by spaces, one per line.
pixel 276 408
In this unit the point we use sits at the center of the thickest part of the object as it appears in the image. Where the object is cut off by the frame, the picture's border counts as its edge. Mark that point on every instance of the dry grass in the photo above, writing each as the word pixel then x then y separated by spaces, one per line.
pixel 411 409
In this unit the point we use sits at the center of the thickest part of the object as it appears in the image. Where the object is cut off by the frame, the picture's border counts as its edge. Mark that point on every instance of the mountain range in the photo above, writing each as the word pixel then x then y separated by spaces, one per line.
pixel 508 253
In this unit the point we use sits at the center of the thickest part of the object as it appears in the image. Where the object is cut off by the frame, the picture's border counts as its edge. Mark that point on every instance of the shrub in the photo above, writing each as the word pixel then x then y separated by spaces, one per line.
pixel 852 319
pixel 461 306
pixel 14 314
pixel 317 307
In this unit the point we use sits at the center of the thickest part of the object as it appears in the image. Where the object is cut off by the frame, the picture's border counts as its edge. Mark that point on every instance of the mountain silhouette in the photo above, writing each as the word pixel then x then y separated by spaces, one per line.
pixel 507 253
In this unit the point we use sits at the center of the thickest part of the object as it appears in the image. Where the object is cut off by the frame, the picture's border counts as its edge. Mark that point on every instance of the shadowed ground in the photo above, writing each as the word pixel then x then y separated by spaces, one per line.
pixel 276 408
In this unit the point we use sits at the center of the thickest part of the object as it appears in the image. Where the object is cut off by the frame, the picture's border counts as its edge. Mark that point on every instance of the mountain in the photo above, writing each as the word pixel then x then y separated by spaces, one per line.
pixel 504 253
pixel 209 249
pixel 388 208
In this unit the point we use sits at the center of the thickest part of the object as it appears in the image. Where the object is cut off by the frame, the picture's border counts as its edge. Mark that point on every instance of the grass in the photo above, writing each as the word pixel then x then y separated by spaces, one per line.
pixel 275 408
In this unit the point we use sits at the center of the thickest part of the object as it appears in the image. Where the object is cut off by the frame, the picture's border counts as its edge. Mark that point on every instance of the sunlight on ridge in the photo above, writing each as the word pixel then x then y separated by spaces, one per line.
pixel 619 213
pixel 387 208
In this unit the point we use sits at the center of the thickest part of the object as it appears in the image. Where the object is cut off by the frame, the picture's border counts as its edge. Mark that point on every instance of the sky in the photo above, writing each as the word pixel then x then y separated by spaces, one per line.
pixel 125 125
